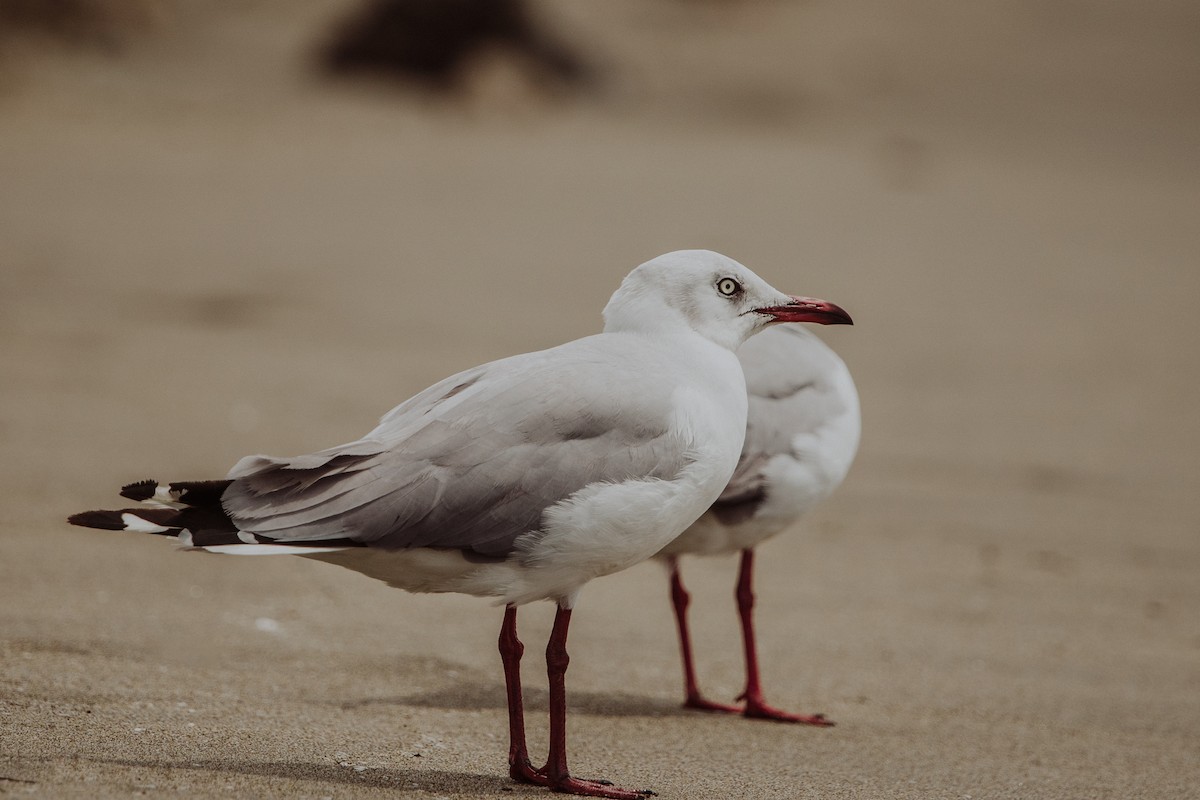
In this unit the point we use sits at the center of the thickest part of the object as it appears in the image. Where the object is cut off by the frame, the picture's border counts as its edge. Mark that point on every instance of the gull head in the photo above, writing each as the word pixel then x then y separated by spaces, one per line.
pixel 712 295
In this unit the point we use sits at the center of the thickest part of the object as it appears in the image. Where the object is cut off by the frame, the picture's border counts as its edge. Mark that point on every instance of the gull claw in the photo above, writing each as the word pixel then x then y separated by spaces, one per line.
pixel 756 709
pixel 599 789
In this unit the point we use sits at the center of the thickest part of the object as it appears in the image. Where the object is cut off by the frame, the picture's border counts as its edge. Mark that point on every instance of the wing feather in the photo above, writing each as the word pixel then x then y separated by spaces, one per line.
pixel 470 463
pixel 789 396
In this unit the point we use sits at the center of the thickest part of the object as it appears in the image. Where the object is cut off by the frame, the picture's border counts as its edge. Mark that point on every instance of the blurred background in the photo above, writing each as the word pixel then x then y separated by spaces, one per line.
pixel 254 226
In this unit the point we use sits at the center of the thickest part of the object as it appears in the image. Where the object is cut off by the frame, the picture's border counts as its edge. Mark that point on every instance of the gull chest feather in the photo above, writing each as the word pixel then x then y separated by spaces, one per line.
pixel 607 527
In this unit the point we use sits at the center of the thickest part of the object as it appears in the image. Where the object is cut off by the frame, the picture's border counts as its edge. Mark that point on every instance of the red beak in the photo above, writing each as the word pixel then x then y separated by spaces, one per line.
pixel 808 309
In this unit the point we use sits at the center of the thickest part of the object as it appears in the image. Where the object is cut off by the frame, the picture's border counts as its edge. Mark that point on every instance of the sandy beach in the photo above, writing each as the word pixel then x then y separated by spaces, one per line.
pixel 207 249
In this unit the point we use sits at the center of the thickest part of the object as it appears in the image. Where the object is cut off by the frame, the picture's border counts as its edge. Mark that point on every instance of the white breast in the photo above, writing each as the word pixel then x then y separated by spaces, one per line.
pixel 814 443
pixel 608 527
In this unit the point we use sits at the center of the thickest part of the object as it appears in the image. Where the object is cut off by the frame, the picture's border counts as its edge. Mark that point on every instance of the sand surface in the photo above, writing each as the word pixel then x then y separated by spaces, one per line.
pixel 205 251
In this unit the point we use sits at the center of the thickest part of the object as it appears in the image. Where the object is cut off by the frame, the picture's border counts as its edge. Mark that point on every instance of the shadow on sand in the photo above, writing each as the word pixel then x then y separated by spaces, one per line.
pixel 477 695
pixel 447 782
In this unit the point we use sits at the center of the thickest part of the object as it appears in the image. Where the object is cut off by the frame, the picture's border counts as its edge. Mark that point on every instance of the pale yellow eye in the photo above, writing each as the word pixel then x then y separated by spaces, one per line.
pixel 728 287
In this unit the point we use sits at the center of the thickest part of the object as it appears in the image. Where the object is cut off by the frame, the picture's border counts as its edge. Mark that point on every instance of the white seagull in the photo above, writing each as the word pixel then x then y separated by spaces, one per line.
pixel 521 479
pixel 802 433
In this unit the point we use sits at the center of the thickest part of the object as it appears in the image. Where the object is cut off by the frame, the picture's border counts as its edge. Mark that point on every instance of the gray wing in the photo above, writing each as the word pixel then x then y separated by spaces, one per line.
pixel 470 463
pixel 789 392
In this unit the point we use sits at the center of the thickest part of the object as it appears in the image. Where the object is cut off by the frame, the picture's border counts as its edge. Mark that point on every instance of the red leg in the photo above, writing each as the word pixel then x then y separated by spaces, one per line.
pixel 555 771
pixel 756 708
pixel 511 651
pixel 680 600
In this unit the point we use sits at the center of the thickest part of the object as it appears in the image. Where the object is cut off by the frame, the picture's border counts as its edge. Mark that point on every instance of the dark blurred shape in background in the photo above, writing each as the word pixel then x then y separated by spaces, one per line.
pixel 433 42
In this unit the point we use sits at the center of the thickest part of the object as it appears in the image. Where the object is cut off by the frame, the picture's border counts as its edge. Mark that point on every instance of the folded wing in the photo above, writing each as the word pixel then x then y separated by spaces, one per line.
pixel 471 463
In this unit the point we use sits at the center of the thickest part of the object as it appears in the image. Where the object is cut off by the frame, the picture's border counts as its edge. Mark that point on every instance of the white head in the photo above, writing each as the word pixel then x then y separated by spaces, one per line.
pixel 711 294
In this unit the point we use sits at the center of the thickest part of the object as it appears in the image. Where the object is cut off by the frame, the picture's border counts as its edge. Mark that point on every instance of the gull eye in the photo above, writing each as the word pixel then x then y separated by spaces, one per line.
pixel 728 287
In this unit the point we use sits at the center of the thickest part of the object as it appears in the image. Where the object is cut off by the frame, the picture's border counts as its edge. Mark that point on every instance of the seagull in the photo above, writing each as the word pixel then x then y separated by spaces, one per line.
pixel 802 433
pixel 519 480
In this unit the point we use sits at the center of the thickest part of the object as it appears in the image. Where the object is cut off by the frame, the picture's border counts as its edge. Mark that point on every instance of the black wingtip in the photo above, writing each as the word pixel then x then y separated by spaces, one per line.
pixel 102 520
pixel 200 493
pixel 142 490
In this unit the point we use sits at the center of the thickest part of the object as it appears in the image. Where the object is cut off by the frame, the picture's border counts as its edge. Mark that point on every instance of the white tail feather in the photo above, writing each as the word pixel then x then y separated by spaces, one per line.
pixel 267 549
pixel 136 523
